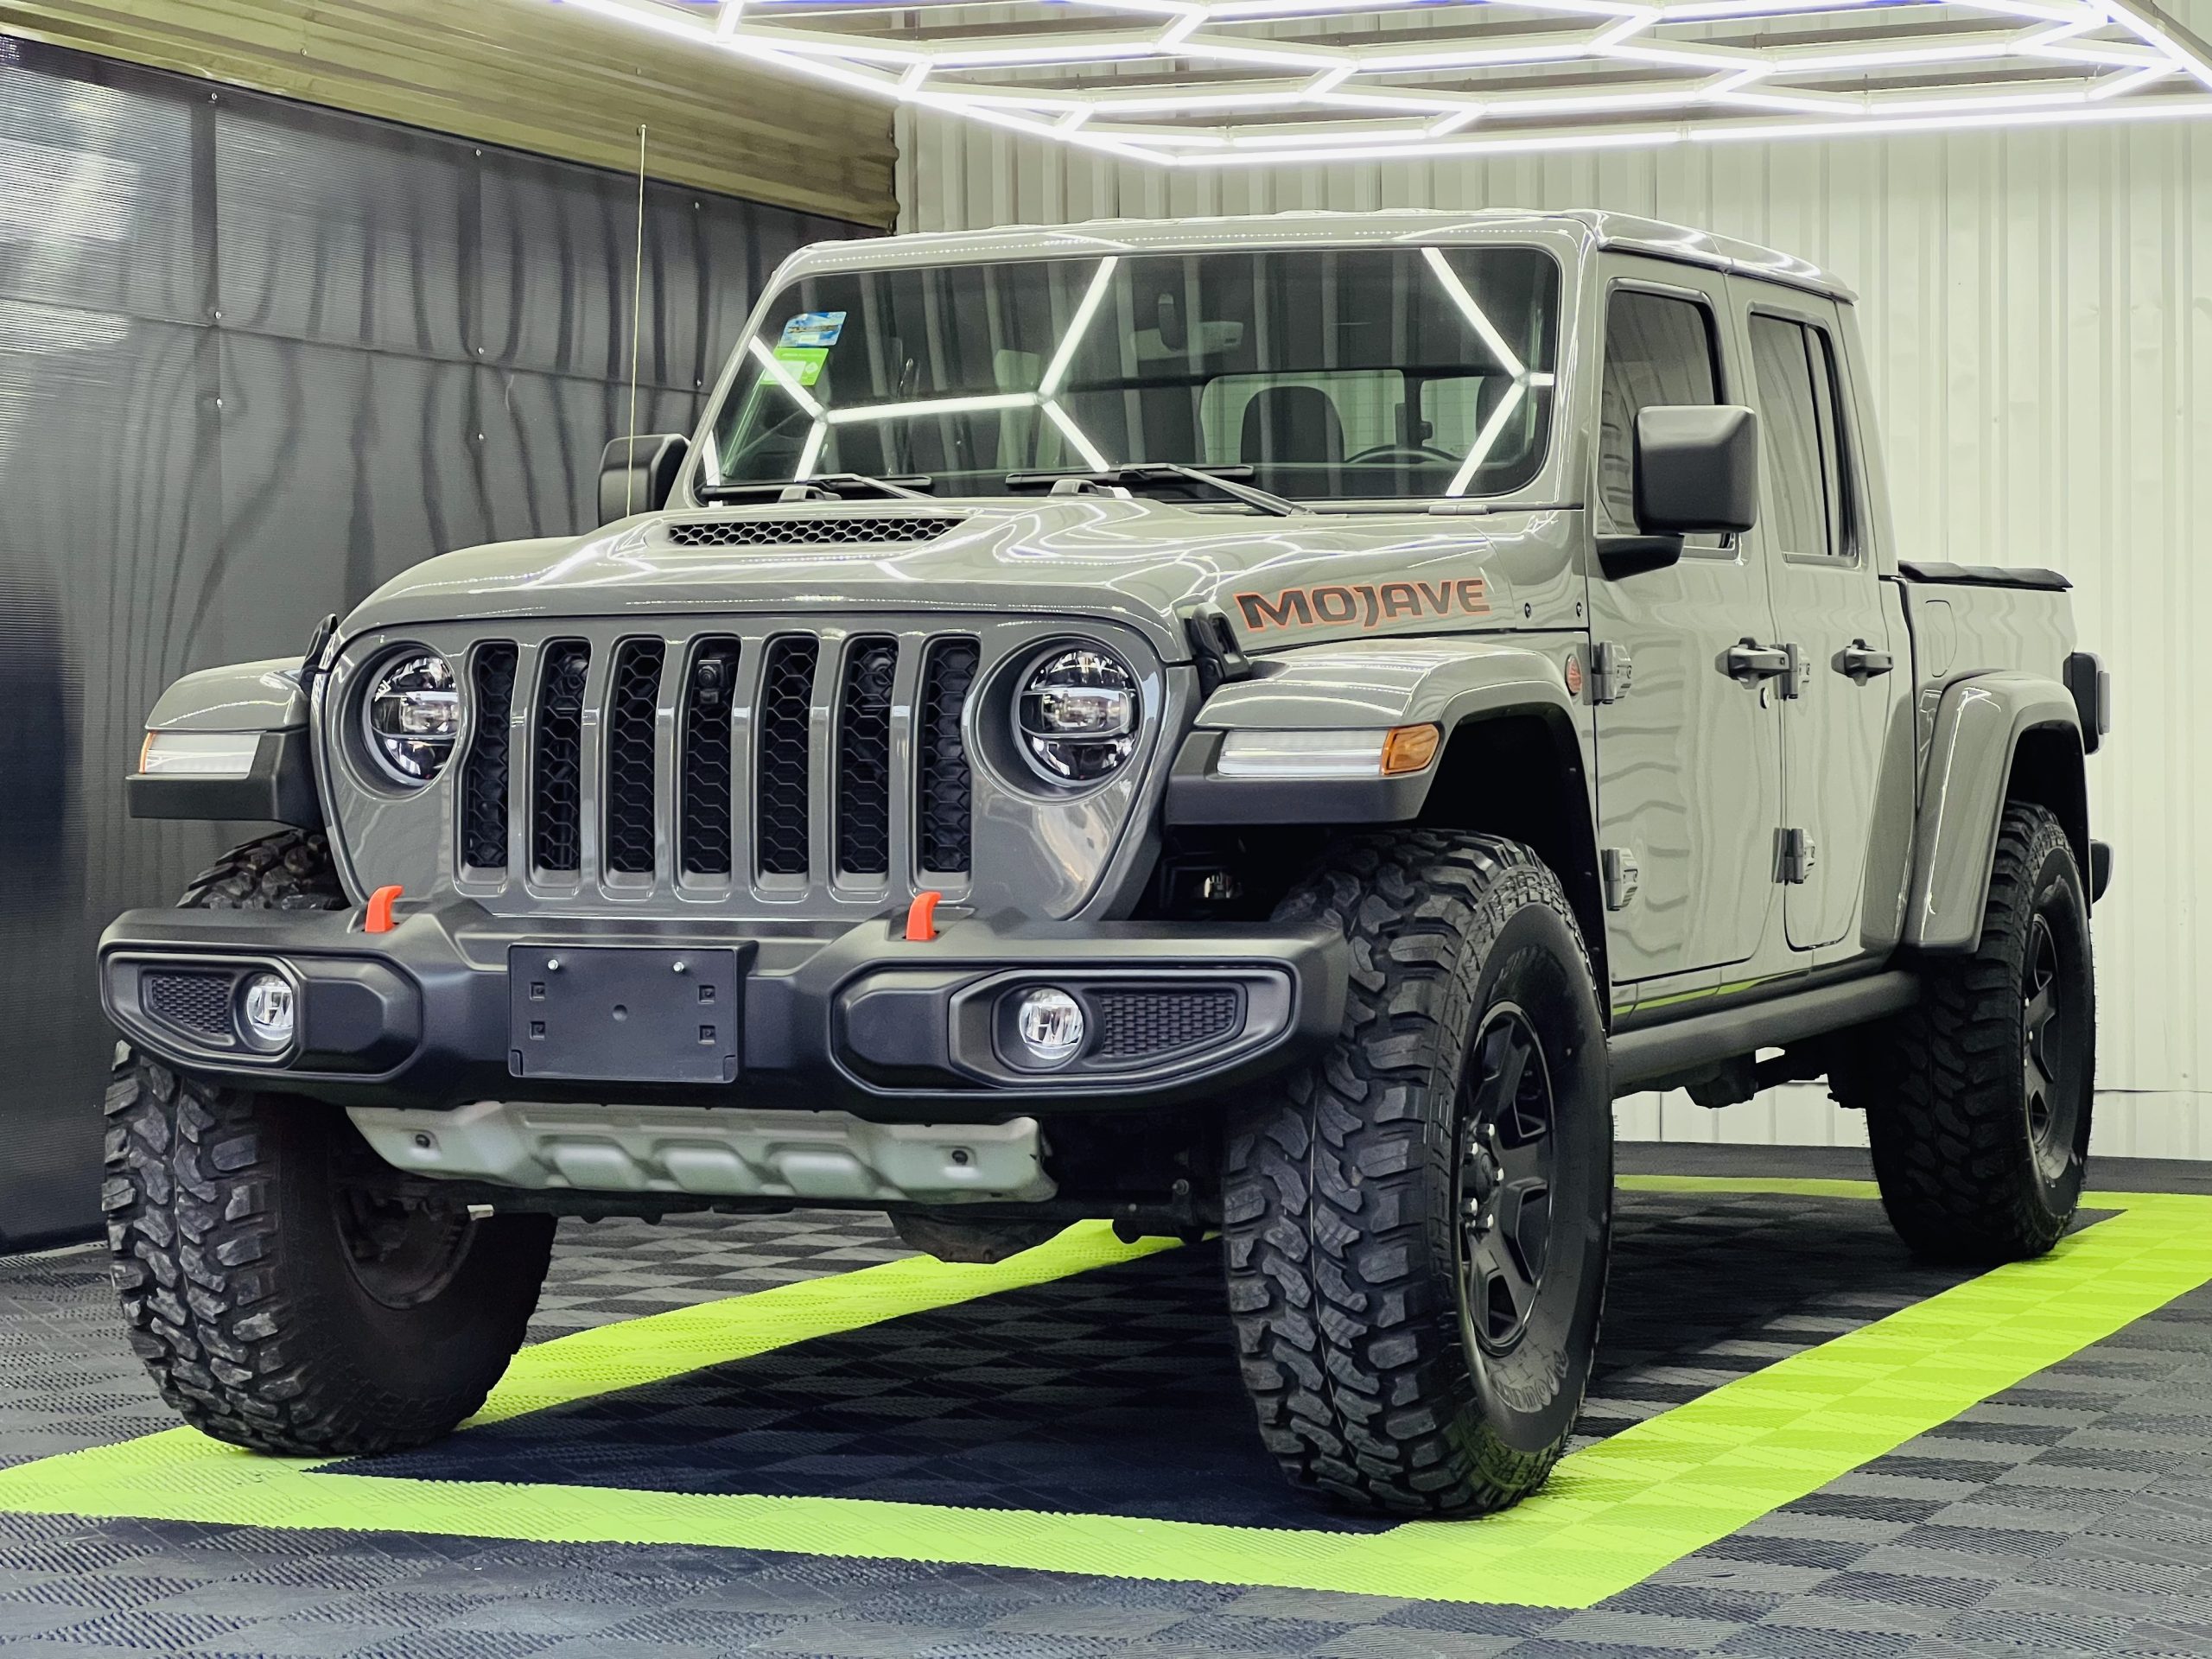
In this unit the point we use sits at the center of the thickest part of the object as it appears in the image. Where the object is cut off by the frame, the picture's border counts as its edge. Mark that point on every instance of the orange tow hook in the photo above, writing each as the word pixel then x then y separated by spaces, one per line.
pixel 380 903
pixel 921 916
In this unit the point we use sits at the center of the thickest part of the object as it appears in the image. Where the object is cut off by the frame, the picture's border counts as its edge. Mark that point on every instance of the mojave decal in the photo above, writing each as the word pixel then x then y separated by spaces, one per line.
pixel 1363 605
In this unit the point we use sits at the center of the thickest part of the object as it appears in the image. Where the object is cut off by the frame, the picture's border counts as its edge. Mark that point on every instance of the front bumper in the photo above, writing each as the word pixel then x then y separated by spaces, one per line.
pixel 429 1015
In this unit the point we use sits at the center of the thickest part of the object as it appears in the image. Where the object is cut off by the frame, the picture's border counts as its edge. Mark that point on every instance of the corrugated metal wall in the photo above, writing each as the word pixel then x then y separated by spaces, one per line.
pixel 255 359
pixel 2038 309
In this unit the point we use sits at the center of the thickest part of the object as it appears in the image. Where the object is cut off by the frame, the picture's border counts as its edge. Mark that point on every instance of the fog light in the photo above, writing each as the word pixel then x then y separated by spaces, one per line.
pixel 266 1011
pixel 1050 1024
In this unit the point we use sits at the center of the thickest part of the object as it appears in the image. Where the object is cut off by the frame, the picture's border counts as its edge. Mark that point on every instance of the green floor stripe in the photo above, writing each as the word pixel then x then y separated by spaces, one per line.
pixel 1612 1515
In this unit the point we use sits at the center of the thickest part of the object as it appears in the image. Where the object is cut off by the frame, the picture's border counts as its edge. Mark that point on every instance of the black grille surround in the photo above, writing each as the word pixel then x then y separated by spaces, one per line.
pixel 706 743
pixel 948 781
pixel 556 782
pixel 784 791
pixel 864 758
pixel 1146 1022
pixel 197 1002
pixel 484 781
pixel 815 531
pixel 632 712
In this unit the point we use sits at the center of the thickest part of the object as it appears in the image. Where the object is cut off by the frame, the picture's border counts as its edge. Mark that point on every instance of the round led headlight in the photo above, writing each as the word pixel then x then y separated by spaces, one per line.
pixel 410 717
pixel 1076 714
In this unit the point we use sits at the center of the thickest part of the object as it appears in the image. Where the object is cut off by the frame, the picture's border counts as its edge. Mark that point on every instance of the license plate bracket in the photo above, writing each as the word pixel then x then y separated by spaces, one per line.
pixel 623 1013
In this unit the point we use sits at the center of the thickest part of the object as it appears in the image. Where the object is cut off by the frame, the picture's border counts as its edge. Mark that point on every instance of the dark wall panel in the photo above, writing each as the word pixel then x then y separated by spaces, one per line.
pixel 332 229
pixel 255 359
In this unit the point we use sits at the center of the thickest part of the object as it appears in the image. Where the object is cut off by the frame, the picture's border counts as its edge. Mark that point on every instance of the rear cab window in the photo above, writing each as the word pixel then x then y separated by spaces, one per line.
pixel 1809 515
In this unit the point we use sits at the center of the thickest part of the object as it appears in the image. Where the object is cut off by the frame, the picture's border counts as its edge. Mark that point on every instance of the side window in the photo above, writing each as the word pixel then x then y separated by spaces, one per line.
pixel 1798 411
pixel 1659 349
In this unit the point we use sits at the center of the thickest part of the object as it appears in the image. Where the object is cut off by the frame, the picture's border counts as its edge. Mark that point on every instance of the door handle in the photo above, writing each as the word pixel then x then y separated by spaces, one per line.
pixel 1750 662
pixel 1862 662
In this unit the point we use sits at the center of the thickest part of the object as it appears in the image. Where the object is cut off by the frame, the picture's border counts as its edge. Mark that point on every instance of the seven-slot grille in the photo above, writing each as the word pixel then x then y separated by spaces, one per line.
pixel 747 717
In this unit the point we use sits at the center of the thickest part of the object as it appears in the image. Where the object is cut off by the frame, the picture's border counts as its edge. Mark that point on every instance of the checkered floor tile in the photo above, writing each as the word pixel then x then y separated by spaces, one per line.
pixel 2071 1514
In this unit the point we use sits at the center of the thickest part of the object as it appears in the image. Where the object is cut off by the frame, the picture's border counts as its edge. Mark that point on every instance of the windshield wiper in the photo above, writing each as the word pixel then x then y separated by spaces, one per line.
pixel 1168 475
pixel 829 487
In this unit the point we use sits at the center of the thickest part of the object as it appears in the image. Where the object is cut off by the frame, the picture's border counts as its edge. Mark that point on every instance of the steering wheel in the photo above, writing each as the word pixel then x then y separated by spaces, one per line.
pixel 1412 452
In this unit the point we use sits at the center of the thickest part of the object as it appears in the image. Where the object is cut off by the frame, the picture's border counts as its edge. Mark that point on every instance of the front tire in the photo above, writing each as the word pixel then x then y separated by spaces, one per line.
pixel 282 1295
pixel 1417 1228
pixel 1978 1100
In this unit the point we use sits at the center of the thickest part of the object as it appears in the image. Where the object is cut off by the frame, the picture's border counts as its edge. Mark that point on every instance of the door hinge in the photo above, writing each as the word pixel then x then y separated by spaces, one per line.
pixel 1617 867
pixel 1792 862
pixel 1609 672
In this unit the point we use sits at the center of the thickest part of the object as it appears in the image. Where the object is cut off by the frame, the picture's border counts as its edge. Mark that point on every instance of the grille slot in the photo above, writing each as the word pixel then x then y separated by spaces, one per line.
pixel 813 532
pixel 557 805
pixel 484 785
pixel 633 708
pixel 783 787
pixel 709 698
pixel 947 795
pixel 199 1003
pixel 864 757
pixel 1143 1023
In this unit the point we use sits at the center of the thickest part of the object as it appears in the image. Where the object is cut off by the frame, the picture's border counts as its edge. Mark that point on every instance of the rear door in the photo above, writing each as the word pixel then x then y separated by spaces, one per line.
pixel 1828 609
pixel 1689 765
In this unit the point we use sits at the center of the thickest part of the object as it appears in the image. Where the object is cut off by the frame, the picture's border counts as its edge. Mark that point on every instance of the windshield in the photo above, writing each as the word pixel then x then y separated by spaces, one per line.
pixel 1332 375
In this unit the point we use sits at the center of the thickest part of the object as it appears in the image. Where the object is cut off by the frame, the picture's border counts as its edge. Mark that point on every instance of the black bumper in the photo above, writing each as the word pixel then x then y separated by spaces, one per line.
pixel 451 1007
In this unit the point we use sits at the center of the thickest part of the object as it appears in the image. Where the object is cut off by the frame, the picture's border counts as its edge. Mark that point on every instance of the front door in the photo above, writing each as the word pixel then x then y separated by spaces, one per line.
pixel 1828 606
pixel 1689 760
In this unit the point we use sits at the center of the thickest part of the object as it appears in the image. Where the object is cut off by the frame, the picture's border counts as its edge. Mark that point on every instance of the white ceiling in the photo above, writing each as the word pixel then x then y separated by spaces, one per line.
pixel 1215 83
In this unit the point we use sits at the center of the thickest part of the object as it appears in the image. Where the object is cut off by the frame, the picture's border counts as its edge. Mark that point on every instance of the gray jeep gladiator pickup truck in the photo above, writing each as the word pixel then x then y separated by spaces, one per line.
pixel 1262 726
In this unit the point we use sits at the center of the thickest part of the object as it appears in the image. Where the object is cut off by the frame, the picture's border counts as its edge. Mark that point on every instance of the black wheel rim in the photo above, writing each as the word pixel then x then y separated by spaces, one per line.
pixel 403 1254
pixel 1502 1190
pixel 2054 1108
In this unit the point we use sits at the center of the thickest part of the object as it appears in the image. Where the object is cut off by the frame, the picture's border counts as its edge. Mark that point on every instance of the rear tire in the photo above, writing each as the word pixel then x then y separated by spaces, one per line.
pixel 281 1294
pixel 1417 1228
pixel 1978 1100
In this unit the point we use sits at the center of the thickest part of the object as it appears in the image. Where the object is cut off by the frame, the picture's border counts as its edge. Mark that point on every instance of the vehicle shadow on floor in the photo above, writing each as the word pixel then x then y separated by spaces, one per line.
pixel 1117 1391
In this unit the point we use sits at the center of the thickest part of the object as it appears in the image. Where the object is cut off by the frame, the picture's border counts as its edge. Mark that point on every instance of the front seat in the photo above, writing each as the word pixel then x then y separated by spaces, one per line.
pixel 1292 426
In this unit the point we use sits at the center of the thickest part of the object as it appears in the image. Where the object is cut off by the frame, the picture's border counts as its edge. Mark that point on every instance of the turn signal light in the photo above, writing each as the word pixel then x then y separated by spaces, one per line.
pixel 1409 748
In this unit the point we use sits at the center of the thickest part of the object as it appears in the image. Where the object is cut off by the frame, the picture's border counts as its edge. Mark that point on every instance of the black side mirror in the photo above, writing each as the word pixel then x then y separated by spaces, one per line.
pixel 638 474
pixel 1697 473
pixel 1697 469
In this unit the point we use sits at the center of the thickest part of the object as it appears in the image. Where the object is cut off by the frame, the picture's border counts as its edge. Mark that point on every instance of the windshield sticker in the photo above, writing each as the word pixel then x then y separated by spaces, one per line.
pixel 1363 606
pixel 804 362
pixel 814 328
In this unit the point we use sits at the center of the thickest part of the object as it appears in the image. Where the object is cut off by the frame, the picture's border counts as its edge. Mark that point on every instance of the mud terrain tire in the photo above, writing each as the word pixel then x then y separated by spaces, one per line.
pixel 1363 1283
pixel 280 1302
pixel 1978 1100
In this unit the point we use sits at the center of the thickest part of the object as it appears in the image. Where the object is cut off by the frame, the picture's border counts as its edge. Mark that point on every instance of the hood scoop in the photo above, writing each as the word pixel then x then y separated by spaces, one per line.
pixel 815 529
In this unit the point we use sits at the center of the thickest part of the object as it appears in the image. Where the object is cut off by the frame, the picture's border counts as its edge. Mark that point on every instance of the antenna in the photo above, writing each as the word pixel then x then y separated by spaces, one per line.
pixel 637 328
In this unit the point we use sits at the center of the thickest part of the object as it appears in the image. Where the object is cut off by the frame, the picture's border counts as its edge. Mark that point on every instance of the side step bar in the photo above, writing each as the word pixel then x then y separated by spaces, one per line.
pixel 1644 1056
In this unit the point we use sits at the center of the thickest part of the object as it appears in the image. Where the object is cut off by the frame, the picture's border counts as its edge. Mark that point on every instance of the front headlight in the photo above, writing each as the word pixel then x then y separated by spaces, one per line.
pixel 410 717
pixel 1076 714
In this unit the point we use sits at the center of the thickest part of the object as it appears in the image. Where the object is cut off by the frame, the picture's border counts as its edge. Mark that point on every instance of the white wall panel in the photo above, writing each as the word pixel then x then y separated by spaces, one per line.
pixel 2037 306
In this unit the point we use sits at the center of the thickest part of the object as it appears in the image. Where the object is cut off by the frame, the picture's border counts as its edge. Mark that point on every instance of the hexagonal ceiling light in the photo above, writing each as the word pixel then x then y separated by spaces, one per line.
pixel 1211 83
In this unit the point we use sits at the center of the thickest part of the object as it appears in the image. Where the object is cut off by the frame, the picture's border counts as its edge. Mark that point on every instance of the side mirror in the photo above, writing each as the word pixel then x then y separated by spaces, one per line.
pixel 1697 473
pixel 1697 469
pixel 638 474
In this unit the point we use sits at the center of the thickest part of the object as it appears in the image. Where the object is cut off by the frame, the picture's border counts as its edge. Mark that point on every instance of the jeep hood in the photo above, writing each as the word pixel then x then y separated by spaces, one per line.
pixel 1280 581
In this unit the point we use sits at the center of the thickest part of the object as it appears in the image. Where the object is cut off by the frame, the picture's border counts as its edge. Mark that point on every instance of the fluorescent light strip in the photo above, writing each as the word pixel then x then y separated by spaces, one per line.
pixel 783 378
pixel 1476 318
pixel 1487 440
pixel 1334 82
pixel 811 451
pixel 1085 309
pixel 1092 456
pixel 966 405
